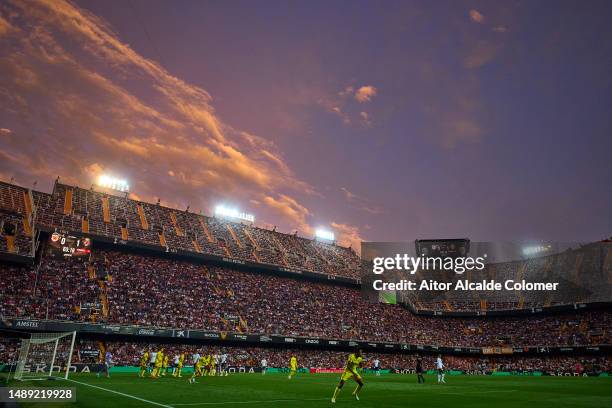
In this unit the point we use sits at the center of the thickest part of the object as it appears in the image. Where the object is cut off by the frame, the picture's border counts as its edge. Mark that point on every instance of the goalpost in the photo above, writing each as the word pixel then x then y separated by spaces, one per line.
pixel 44 353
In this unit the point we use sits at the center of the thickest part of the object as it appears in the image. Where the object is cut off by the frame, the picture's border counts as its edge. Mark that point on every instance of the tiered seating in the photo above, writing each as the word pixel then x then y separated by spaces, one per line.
pixel 15 220
pixel 18 242
pixel 339 258
pixel 295 255
pixel 169 293
pixel 267 247
pixel 581 273
pixel 44 203
pixel 219 228
pixel 17 297
pixel 121 217
pixel 12 198
pixel 195 234
pixel 124 211
pixel 61 287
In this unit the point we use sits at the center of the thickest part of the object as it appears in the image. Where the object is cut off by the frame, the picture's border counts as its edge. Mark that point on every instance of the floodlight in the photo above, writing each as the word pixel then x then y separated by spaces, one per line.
pixel 324 234
pixel 113 183
pixel 228 212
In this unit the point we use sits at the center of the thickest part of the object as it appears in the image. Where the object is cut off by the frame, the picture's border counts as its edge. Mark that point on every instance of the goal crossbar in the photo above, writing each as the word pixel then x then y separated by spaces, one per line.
pixel 42 349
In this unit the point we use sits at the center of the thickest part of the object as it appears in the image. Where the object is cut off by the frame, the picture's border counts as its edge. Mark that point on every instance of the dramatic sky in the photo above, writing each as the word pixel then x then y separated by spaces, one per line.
pixel 381 120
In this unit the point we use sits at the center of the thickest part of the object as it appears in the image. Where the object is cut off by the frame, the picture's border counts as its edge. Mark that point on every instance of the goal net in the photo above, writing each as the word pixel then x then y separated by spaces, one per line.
pixel 45 355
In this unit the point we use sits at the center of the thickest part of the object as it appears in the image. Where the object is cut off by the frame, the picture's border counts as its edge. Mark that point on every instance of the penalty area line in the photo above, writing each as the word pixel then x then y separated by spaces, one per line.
pixel 121 393
pixel 249 402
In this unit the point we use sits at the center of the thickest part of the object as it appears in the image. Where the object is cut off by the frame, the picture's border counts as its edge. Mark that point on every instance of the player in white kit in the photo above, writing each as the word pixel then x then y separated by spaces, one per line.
pixel 440 368
pixel 264 366
pixel 377 367
pixel 152 358
pixel 223 364
pixel 195 357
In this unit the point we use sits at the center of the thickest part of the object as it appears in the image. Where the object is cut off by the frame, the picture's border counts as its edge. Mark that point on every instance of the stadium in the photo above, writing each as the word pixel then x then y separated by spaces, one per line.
pixel 152 278
pixel 287 289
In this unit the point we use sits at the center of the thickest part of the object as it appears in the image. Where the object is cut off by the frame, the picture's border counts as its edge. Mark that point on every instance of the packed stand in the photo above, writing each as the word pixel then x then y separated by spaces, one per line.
pixel 55 289
pixel 150 291
pixel 584 274
pixel 117 216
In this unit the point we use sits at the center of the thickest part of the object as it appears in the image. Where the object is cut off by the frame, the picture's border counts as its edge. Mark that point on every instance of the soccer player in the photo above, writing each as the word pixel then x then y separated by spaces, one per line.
pixel 165 365
pixel 195 357
pixel 223 364
pixel 197 370
pixel 264 365
pixel 205 365
pixel 144 360
pixel 350 371
pixel 159 360
pixel 293 366
pixel 178 366
pixel 440 368
pixel 152 358
pixel 175 363
pixel 214 359
pixel 419 371
pixel 377 366
pixel 205 359
pixel 108 362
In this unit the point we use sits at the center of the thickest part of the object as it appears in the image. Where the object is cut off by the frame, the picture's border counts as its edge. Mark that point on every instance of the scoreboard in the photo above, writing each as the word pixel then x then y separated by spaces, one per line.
pixel 67 246
pixel 435 248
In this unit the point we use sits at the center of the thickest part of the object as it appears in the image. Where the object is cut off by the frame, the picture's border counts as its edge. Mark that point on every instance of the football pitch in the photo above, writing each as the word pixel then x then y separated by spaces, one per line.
pixel 315 390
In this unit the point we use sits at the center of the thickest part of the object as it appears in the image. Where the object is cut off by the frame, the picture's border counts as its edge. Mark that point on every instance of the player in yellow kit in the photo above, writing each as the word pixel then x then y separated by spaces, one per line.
pixel 350 371
pixel 165 365
pixel 197 369
pixel 159 360
pixel 293 366
pixel 212 365
pixel 144 360
pixel 179 366
pixel 204 362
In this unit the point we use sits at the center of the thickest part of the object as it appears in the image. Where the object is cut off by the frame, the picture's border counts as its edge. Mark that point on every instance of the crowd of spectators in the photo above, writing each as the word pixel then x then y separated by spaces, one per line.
pixel 160 292
pixel 584 275
pixel 128 354
pixel 118 216
pixel 586 272
pixel 53 289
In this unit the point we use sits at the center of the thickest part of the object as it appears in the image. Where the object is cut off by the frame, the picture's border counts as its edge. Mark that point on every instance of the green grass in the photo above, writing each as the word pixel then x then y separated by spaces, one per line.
pixel 315 390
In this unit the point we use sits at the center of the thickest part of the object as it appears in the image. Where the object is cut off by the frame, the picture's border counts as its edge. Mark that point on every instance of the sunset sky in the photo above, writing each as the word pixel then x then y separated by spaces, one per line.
pixel 380 120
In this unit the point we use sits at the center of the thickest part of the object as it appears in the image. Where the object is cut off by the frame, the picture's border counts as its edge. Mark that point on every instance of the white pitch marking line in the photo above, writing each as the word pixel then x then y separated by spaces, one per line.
pixel 476 392
pixel 121 393
pixel 252 402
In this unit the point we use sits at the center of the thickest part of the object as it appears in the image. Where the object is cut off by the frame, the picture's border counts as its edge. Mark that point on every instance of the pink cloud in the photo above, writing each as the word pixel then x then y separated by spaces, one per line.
pixel 348 235
pixel 365 93
pixel 77 112
pixel 476 16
